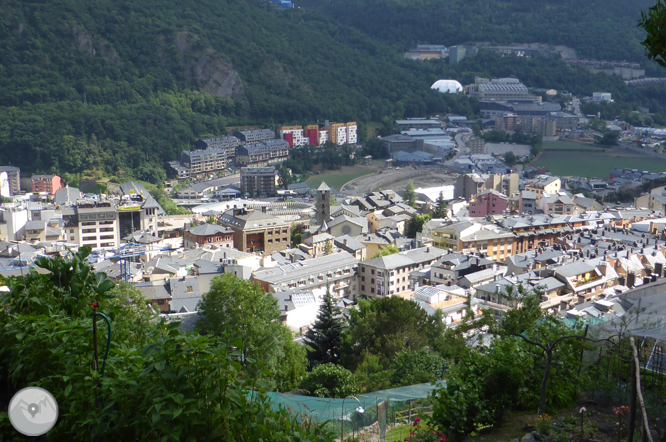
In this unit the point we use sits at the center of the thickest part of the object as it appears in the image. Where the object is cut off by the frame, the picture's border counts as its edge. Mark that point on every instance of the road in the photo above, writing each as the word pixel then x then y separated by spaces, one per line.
pixel 576 108
pixel 462 147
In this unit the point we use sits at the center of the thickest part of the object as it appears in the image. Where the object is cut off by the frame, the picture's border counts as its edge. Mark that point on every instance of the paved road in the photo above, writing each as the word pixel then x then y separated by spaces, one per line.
pixel 581 118
pixel 462 147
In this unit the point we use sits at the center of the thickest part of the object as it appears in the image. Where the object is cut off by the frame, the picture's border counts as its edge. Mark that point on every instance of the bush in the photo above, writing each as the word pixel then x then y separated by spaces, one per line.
pixel 330 380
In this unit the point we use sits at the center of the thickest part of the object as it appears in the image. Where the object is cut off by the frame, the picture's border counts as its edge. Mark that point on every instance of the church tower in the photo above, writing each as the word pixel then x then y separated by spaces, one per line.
pixel 323 204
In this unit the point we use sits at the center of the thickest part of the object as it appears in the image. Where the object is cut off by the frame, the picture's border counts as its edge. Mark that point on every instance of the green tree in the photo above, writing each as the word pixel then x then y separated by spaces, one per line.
pixel 415 224
pixel 608 139
pixel 330 380
pixel 291 362
pixel 415 367
pixel 325 336
pixel 297 231
pixel 385 327
pixel 236 308
pixel 654 22
pixel 386 250
pixel 440 207
pixel 510 158
pixel 410 193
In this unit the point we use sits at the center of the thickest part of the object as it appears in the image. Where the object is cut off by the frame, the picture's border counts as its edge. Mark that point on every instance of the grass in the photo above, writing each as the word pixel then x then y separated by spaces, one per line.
pixel 398 434
pixel 567 145
pixel 589 161
pixel 336 178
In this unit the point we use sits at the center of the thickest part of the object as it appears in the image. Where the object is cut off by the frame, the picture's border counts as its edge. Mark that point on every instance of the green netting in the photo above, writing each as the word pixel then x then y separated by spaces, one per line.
pixel 327 409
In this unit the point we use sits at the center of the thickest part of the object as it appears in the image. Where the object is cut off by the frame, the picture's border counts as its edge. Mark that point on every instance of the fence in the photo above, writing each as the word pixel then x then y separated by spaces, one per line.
pixel 380 410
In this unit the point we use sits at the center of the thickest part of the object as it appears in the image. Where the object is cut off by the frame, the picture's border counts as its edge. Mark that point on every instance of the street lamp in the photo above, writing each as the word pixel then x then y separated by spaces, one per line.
pixel 359 409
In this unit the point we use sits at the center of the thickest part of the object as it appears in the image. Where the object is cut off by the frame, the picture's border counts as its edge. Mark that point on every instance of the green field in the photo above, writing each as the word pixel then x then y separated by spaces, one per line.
pixel 566 145
pixel 335 178
pixel 590 161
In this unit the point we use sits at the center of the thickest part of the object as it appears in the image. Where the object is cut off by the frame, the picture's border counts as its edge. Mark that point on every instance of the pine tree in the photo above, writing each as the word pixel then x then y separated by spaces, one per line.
pixel 325 336
pixel 440 206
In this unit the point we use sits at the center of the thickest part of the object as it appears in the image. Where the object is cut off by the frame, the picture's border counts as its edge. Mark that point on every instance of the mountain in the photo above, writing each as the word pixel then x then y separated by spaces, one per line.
pixel 122 87
pixel 599 29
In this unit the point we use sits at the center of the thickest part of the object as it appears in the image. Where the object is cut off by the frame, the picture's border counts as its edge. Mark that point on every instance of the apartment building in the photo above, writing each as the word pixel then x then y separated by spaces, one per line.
pixel 208 234
pixel 547 127
pixel 92 223
pixel 389 275
pixel 506 122
pixel 262 154
pixel 14 178
pixel 544 184
pixel 294 135
pixel 256 232
pixel 259 180
pixel 46 183
pixel 495 244
pixel 227 143
pixel 203 161
pixel 255 136
pixel 490 202
pixel 335 272
pixel 476 145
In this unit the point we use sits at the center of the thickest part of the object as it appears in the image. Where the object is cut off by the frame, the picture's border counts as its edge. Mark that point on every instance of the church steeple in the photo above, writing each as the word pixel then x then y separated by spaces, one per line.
pixel 323 203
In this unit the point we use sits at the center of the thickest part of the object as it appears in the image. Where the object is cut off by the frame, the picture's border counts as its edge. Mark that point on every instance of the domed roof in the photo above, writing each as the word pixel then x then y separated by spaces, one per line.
pixel 447 86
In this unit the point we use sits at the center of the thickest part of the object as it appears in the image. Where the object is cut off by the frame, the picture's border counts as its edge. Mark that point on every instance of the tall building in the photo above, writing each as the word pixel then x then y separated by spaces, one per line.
pixel 14 178
pixel 457 54
pixel 203 161
pixel 506 122
pixel 337 133
pixel 294 135
pixel 258 180
pixel 323 204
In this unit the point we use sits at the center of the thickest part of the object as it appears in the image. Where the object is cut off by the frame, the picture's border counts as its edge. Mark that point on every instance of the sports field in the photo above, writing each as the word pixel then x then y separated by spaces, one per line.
pixel 572 159
pixel 337 178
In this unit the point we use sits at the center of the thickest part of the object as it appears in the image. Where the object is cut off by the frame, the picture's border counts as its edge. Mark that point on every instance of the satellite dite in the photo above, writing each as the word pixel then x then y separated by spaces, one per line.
pixel 33 411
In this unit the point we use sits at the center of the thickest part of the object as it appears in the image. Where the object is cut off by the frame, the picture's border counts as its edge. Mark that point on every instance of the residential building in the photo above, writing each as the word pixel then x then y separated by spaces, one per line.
pixel 92 223
pixel 476 145
pixel 535 231
pixel 298 308
pixel 45 230
pixel 469 184
pixel 489 202
pixel 349 244
pixel 256 231
pixel 255 136
pixel 12 223
pixel 262 154
pixel 259 180
pixel 46 183
pixel 208 234
pixel 335 272
pixel 67 196
pixel 294 135
pixel 227 143
pixel 564 121
pixel 505 184
pixel 337 133
pixel 496 244
pixel 582 279
pixel 14 178
pixel 137 210
pixel 204 161
pixel 389 275
pixel 453 266
pixel 544 184
pixel 547 127
pixel 318 245
pixel 448 236
pixel 558 204
pixel 506 122
pixel 452 306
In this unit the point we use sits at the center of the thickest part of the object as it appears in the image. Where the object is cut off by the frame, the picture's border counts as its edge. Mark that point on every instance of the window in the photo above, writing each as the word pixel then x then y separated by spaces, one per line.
pixel 372 271
pixel 71 238
pixel 372 281
pixel 363 278
pixel 363 287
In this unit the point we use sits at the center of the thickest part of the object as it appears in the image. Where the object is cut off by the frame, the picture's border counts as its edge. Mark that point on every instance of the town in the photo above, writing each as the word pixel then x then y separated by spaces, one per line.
pixel 455 216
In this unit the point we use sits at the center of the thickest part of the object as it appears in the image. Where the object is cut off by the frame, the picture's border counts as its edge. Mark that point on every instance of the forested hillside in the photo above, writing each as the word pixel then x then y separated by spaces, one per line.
pixel 124 86
pixel 601 29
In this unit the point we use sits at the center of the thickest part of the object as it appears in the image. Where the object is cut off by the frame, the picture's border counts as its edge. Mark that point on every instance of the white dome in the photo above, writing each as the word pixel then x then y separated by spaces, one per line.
pixel 447 86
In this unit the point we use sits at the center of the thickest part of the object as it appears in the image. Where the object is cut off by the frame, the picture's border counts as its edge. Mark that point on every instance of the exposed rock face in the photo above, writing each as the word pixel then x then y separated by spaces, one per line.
pixel 216 75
